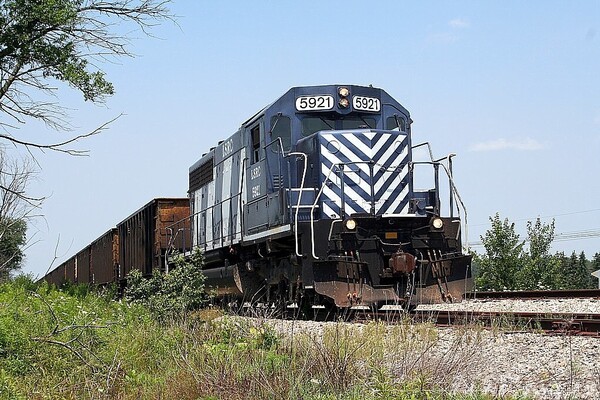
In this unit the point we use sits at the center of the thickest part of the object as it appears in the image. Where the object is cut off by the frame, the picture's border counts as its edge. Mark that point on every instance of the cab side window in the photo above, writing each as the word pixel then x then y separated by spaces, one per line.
pixel 281 127
pixel 255 138
pixel 395 122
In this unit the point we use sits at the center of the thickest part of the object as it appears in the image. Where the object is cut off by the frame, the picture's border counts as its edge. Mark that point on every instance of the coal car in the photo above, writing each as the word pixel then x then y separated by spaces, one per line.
pixel 139 242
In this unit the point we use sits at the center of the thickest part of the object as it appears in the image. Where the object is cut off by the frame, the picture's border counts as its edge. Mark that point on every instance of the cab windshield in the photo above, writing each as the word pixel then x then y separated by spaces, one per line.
pixel 312 124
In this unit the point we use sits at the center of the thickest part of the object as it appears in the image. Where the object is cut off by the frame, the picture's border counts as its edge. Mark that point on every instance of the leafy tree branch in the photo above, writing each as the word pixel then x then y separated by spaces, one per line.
pixel 45 42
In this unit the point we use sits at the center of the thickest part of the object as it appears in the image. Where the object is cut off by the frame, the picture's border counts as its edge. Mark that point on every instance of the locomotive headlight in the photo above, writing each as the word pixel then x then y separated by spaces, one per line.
pixel 437 223
pixel 344 92
pixel 350 224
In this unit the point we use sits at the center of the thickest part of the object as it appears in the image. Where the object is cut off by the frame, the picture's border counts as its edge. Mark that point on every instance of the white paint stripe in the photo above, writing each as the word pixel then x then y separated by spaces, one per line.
pixel 331 195
pixel 367 150
pixel 353 157
pixel 329 212
pixel 391 153
pixel 398 200
pixel 353 176
pixel 352 195
pixel 397 162
pixel 392 186
pixel 274 231
pixel 392 189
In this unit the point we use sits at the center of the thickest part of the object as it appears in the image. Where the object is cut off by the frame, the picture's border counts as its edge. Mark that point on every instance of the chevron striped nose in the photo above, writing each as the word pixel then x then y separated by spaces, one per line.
pixel 364 172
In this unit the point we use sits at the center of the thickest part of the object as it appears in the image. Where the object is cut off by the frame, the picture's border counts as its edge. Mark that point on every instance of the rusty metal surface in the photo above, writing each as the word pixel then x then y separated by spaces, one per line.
pixel 69 266
pixel 169 211
pixel 143 236
pixel 105 258
pixel 431 294
pixel 402 263
pixel 57 276
pixel 349 295
pixel 83 265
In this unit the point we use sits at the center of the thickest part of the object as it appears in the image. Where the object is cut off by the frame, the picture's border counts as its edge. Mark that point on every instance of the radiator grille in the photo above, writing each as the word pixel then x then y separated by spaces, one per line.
pixel 201 175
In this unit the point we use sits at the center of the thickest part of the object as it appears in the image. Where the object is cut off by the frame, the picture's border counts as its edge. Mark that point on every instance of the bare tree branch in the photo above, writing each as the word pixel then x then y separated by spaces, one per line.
pixel 59 147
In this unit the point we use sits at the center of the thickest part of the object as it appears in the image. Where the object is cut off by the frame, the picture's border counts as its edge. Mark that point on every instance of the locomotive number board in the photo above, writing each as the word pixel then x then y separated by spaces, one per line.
pixel 314 103
pixel 366 104
pixel 326 102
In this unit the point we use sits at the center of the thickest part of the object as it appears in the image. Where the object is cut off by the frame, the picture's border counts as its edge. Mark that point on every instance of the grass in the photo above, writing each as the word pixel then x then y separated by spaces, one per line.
pixel 78 344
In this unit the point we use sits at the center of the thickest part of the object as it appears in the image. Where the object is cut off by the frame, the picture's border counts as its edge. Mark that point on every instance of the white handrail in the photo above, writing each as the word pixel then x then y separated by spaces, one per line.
pixel 312 219
pixel 299 197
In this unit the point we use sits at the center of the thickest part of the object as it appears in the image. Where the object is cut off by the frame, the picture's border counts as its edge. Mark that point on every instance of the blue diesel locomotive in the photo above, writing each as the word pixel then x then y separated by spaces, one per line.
pixel 312 201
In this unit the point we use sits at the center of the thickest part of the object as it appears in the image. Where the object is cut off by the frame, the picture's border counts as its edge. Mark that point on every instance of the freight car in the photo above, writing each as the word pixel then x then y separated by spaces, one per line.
pixel 313 201
pixel 138 242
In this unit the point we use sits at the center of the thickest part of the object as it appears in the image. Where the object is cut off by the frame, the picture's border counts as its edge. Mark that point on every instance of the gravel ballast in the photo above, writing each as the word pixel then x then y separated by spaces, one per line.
pixel 471 359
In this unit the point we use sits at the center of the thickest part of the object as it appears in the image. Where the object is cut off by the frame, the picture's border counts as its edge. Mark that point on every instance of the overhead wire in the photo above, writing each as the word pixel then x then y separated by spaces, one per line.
pixel 546 216
pixel 562 237
pixel 559 237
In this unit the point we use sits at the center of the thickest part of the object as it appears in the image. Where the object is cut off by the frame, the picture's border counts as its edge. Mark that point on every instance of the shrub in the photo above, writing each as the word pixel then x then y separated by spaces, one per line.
pixel 173 294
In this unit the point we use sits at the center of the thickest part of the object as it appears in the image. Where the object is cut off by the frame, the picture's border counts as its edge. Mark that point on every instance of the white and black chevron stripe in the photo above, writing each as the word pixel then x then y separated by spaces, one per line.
pixel 347 155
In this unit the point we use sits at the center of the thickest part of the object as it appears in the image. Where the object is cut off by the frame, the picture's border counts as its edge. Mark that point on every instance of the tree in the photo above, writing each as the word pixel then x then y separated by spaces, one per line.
pixel 539 268
pixel 595 265
pixel 12 239
pixel 497 269
pixel 43 42
pixel 15 209
pixel 574 272
pixel 506 264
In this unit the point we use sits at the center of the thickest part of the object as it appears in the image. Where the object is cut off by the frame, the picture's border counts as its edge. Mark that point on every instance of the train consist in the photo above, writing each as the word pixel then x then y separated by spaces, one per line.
pixel 141 241
pixel 313 201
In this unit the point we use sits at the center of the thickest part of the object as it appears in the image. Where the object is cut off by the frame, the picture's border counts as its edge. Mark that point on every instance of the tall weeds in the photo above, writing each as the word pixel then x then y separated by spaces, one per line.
pixel 83 345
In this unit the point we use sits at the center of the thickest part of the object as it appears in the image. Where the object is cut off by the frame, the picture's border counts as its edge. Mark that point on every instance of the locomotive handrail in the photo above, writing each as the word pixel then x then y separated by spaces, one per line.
pixel 233 233
pixel 277 140
pixel 300 154
pixel 453 188
pixel 312 210
pixel 241 200
pixel 172 241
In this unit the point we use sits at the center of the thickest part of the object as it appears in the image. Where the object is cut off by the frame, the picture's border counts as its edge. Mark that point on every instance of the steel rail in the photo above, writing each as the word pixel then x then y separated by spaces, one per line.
pixel 535 294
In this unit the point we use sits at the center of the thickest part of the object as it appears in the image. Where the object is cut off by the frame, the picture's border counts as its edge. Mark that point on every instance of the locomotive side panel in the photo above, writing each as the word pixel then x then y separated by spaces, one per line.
pixel 216 199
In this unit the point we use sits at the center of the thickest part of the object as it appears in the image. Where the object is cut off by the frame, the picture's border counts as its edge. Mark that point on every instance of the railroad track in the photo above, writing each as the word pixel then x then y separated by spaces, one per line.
pixel 535 294
pixel 549 322
pixel 555 324
pixel 466 313
pixel 531 310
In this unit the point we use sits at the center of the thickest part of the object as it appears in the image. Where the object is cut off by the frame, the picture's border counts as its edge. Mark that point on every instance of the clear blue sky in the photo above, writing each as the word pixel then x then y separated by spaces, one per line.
pixel 512 87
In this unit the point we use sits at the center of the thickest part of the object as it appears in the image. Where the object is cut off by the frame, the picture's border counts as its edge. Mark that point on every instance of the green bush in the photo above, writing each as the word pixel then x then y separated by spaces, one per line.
pixel 173 294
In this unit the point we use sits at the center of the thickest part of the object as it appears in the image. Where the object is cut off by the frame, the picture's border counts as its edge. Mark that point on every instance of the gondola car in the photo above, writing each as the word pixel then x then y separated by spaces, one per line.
pixel 139 242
